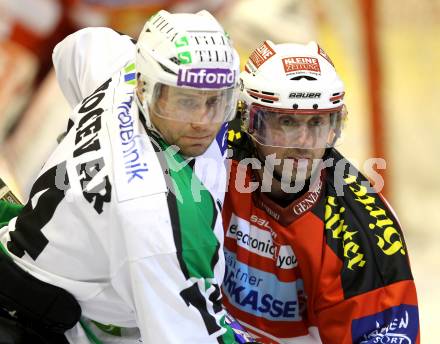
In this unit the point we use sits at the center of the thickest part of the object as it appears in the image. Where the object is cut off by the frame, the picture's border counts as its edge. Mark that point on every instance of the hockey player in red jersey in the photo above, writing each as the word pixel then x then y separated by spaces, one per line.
pixel 314 254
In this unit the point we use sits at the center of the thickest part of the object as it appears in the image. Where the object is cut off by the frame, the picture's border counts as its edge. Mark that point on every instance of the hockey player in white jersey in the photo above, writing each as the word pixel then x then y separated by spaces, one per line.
pixel 125 214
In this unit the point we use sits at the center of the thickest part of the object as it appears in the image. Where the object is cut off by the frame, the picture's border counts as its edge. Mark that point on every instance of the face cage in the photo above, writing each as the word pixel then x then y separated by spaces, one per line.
pixel 254 122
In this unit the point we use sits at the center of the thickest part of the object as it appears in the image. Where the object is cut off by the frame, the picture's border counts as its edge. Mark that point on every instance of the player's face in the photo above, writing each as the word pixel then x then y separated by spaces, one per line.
pixel 194 129
pixel 297 140
pixel 303 131
pixel 297 162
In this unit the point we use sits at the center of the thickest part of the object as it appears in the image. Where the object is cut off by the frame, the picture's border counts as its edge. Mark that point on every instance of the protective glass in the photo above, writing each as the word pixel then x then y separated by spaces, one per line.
pixel 306 129
pixel 194 106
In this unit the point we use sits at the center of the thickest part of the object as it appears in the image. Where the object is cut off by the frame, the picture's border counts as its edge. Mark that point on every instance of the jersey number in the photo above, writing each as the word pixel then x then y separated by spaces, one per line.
pixel 47 192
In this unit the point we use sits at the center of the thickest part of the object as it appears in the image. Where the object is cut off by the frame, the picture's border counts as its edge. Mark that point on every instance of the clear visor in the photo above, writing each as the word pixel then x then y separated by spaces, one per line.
pixel 306 129
pixel 194 106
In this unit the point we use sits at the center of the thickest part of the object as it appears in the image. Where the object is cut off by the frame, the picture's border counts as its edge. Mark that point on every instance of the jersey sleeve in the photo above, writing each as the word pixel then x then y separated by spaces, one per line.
pixel 384 315
pixel 365 291
pixel 88 57
pixel 8 211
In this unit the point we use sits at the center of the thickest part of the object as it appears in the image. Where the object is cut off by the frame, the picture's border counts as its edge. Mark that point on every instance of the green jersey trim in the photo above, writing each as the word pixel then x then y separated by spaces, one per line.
pixel 89 333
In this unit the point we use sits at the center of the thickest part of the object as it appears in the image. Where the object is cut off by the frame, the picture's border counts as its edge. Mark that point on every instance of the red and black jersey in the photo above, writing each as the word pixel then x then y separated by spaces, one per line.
pixel 330 267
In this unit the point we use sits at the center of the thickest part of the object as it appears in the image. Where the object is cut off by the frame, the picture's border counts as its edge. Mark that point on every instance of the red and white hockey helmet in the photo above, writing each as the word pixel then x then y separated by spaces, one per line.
pixel 290 91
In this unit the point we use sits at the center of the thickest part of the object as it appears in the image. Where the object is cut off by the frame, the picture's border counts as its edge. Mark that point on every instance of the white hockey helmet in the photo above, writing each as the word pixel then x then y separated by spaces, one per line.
pixel 189 51
pixel 283 82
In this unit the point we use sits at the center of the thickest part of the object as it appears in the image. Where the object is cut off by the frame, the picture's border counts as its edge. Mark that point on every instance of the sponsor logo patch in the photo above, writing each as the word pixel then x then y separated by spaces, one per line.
pixel 206 77
pixel 340 230
pixel 259 241
pixel 137 171
pixel 134 166
pixel 301 64
pixel 260 55
pixel 397 325
pixel 261 293
pixel 387 231
pixel 324 55
pixel 362 232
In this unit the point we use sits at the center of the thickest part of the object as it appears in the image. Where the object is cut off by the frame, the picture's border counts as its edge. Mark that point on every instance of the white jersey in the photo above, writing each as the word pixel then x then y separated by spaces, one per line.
pixel 125 224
